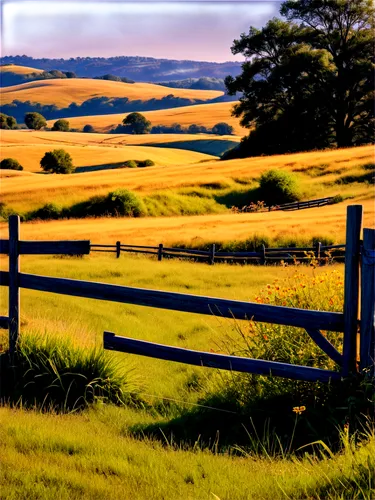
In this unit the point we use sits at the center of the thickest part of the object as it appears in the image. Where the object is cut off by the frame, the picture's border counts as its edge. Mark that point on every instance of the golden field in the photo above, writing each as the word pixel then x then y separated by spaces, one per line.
pixel 14 143
pixel 201 114
pixel 23 190
pixel 19 70
pixel 324 221
pixel 62 92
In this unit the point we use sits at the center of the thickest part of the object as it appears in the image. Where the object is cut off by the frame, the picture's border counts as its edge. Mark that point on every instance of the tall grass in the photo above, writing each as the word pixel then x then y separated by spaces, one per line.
pixel 48 372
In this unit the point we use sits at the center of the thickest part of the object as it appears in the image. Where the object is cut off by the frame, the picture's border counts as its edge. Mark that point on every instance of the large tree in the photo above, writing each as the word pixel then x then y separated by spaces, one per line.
pixel 136 123
pixel 308 82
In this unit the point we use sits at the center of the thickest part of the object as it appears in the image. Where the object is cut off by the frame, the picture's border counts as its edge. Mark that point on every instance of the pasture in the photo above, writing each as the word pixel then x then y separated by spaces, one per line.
pixel 62 92
pixel 201 114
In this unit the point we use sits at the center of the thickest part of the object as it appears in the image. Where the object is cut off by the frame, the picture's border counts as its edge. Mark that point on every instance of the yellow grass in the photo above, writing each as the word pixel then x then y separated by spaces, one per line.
pixel 19 70
pixel 325 221
pixel 37 189
pixel 201 114
pixel 63 92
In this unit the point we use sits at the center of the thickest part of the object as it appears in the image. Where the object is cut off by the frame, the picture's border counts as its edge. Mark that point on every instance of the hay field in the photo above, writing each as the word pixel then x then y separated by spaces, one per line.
pixel 327 166
pixel 325 221
pixel 203 143
pixel 62 92
pixel 201 114
pixel 19 70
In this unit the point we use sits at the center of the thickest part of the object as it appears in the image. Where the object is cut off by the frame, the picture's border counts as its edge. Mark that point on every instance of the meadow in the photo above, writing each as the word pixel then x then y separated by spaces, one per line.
pixel 62 92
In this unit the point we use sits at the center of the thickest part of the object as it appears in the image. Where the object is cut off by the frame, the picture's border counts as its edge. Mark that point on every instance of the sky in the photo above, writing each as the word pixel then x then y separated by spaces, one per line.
pixel 196 30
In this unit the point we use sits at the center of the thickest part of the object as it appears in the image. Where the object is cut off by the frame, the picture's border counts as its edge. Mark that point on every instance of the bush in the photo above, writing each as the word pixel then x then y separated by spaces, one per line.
pixel 222 128
pixel 277 187
pixel 146 163
pixel 57 161
pixel 7 122
pixel 138 123
pixel 46 212
pixel 130 164
pixel 117 203
pixel 10 164
pixel 35 121
pixel 61 126
pixel 88 129
pixel 49 372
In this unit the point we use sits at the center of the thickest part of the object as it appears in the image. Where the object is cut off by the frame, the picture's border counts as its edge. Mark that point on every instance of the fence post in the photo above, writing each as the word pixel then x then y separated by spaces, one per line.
pixel 14 291
pixel 367 335
pixel 212 254
pixel 351 287
pixel 160 252
pixel 118 249
pixel 263 252
pixel 318 249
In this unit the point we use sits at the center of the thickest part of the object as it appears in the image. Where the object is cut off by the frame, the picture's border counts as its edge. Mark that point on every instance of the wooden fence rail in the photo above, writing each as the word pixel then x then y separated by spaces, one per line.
pixel 288 254
pixel 312 321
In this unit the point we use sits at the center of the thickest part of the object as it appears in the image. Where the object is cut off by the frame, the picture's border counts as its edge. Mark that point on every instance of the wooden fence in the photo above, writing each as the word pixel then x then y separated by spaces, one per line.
pixel 295 205
pixel 356 254
pixel 287 254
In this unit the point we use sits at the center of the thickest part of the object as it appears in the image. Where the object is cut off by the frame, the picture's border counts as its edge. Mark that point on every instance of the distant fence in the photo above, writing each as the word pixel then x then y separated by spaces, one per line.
pixel 296 205
pixel 359 259
pixel 287 254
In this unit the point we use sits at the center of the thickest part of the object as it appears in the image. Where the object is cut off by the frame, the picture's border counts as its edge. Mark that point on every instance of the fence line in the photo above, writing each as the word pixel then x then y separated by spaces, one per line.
pixel 319 252
pixel 357 255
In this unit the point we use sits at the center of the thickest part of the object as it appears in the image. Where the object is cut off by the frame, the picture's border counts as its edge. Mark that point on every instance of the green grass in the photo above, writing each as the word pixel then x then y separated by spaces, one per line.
pixel 109 452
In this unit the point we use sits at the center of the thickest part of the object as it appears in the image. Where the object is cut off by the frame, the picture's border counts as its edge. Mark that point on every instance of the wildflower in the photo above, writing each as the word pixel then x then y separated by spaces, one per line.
pixel 299 409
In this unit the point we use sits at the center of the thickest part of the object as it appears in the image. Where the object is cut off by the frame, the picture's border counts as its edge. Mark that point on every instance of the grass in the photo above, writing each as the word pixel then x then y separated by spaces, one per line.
pixel 200 114
pixel 19 70
pixel 102 453
pixel 62 92
pixel 182 172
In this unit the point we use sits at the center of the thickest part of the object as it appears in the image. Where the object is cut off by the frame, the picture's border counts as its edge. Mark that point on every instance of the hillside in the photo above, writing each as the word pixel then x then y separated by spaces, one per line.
pixel 62 92
pixel 137 68
pixel 14 140
pixel 18 70
pixel 201 114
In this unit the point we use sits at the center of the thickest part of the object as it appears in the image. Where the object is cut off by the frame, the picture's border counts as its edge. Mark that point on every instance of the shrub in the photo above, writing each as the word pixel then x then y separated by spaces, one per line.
pixel 222 128
pixel 35 121
pixel 10 164
pixel 7 122
pixel 130 164
pixel 146 163
pixel 57 161
pixel 61 126
pixel 88 129
pixel 278 187
pixel 138 123
pixel 46 212
pixel 116 203
pixel 49 372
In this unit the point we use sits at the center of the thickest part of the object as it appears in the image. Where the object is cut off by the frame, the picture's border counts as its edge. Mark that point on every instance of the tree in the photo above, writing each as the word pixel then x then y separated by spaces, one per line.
pixel 7 122
pixel 307 82
pixel 35 121
pixel 10 164
pixel 137 123
pixel 61 125
pixel 88 129
pixel 222 128
pixel 57 161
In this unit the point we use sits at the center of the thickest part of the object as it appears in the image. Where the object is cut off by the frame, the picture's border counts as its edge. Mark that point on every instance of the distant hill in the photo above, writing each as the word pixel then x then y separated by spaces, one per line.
pixel 146 69
pixel 204 83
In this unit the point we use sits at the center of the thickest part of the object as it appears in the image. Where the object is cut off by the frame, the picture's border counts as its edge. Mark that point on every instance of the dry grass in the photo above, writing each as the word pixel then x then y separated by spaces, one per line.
pixel 19 70
pixel 201 114
pixel 63 92
pixel 37 189
pixel 325 221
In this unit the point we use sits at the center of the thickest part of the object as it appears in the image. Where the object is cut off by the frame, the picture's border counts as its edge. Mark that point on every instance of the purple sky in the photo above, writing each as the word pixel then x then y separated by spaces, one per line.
pixel 196 30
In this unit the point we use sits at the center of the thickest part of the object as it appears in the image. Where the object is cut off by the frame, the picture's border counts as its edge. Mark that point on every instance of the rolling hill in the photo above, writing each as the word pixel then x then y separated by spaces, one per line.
pixel 18 70
pixel 63 92
pixel 201 114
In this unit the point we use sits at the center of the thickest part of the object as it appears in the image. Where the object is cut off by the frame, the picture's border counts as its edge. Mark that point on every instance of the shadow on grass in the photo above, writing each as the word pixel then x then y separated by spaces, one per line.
pixel 104 166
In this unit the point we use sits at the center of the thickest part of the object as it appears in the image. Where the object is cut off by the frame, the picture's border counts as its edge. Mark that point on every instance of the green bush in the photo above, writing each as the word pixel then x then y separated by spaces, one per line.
pixel 277 187
pixel 114 204
pixel 49 211
pixel 88 129
pixel 50 372
pixel 7 122
pixel 61 126
pixel 130 164
pixel 10 164
pixel 57 161
pixel 35 121
pixel 146 163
